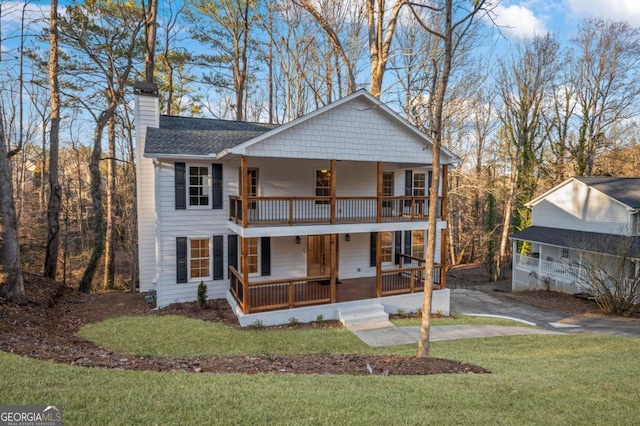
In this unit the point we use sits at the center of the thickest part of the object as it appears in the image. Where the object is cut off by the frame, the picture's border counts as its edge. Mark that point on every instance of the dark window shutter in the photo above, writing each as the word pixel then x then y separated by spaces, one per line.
pixel 372 249
pixel 216 178
pixel 407 242
pixel 181 186
pixel 181 260
pixel 265 256
pixel 218 259
pixel 232 251
pixel 408 186
pixel 429 180
pixel 397 243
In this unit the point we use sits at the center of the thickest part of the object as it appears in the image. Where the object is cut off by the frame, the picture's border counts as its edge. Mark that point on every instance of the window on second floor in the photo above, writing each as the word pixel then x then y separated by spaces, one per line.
pixel 198 186
pixel 323 185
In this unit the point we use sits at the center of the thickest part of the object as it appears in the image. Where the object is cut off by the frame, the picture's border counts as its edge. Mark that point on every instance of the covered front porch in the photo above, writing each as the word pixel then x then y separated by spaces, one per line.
pixel 350 293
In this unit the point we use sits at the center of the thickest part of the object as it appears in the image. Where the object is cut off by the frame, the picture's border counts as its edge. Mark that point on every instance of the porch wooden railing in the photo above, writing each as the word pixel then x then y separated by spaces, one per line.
pixel 278 294
pixel 407 277
pixel 321 210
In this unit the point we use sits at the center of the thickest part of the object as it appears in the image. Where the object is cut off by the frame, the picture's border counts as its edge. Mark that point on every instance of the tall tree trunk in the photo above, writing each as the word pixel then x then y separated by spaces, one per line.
pixel 151 11
pixel 109 252
pixel 11 280
pixel 379 40
pixel 97 225
pixel 55 192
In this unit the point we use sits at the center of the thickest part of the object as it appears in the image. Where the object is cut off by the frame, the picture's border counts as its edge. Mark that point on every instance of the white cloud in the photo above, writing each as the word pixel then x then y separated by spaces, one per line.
pixel 621 10
pixel 518 22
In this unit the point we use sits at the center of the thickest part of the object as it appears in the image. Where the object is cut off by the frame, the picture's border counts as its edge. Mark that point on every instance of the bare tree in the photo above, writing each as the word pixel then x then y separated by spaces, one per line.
pixel 107 37
pixel 607 81
pixel 452 24
pixel 609 270
pixel 55 191
pixel 10 266
pixel 524 82
pixel 332 34
pixel 380 39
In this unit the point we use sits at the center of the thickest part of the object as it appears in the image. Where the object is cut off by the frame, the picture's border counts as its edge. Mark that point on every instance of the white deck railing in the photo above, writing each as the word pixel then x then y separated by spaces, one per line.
pixel 563 273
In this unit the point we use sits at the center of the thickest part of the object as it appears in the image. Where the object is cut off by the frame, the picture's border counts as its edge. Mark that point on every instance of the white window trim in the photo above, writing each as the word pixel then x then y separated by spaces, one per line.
pixel 321 204
pixel 209 186
pixel 210 276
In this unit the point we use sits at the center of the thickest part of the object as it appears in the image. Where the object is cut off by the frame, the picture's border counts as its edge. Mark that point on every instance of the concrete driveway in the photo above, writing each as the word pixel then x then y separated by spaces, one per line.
pixel 480 302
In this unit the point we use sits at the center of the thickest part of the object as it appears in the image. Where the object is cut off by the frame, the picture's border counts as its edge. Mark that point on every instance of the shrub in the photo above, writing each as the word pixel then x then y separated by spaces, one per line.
pixel 202 294
pixel 293 321
pixel 320 318
pixel 258 324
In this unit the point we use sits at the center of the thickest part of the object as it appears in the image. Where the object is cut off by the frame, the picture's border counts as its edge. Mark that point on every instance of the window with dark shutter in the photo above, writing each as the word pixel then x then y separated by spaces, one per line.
pixel 408 186
pixel 180 186
pixel 407 243
pixel 372 249
pixel 265 257
pixel 218 259
pixel 216 174
pixel 397 247
pixel 232 251
pixel 181 260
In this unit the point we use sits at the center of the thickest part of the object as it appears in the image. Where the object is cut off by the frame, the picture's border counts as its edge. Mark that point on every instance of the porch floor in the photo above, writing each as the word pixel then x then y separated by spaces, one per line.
pixel 356 289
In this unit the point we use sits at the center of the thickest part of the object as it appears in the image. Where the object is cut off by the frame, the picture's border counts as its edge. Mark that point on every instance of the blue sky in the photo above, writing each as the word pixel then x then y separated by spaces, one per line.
pixel 518 18
pixel 525 18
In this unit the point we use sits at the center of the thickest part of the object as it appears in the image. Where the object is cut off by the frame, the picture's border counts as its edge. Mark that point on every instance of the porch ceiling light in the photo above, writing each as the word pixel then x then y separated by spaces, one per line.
pixel 347 237
pixel 298 239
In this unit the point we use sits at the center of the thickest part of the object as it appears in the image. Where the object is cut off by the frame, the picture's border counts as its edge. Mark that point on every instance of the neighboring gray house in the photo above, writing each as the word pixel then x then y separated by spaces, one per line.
pixel 580 215
pixel 275 217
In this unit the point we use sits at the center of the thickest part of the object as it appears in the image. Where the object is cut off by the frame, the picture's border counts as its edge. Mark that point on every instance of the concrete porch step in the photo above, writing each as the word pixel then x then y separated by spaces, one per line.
pixel 364 317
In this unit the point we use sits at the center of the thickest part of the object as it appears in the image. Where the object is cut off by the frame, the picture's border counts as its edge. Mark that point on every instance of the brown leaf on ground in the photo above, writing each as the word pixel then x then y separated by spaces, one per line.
pixel 46 329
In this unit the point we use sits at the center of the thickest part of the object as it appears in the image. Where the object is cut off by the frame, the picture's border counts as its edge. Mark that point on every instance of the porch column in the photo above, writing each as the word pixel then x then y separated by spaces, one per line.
pixel 332 193
pixel 514 248
pixel 378 264
pixel 443 258
pixel 334 265
pixel 445 189
pixel 379 194
pixel 244 243
pixel 244 191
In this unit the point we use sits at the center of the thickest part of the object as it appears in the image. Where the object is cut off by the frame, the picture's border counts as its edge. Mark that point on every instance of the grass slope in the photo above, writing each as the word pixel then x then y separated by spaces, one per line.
pixel 576 379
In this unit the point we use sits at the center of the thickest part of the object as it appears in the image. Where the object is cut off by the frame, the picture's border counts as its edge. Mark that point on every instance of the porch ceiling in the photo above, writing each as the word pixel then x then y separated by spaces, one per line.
pixel 343 228
pixel 586 241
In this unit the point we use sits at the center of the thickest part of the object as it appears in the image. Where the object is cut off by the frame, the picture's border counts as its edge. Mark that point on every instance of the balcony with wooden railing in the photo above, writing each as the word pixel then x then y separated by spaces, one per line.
pixel 323 210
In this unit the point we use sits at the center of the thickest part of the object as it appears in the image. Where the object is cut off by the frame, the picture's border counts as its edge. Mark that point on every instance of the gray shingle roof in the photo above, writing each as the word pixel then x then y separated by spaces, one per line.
pixel 588 241
pixel 625 190
pixel 199 136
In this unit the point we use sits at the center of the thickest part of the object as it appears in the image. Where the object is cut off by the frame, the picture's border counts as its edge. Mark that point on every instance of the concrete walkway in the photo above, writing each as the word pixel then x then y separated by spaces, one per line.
pixel 480 302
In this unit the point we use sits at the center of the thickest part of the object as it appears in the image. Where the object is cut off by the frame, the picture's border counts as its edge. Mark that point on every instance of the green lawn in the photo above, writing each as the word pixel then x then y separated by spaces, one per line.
pixel 547 379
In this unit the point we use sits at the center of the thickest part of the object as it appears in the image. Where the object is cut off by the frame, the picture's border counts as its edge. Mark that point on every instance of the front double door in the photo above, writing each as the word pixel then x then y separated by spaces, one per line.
pixel 319 255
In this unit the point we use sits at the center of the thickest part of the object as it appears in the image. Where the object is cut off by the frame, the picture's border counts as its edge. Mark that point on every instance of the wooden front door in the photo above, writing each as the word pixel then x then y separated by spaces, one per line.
pixel 318 255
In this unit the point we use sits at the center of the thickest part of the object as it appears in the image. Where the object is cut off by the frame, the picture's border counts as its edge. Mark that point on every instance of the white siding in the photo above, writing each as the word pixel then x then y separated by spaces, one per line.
pixel 283 177
pixel 352 131
pixel 192 223
pixel 578 207
pixel 147 115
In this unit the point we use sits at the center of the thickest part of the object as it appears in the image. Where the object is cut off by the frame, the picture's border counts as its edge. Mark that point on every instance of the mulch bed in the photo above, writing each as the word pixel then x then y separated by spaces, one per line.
pixel 46 329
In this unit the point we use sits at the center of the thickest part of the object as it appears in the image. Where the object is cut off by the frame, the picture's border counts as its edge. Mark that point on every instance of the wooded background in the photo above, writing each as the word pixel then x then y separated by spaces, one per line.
pixel 522 118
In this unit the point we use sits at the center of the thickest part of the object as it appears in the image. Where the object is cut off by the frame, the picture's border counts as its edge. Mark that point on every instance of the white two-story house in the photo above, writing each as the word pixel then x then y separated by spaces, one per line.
pixel 329 208
pixel 580 217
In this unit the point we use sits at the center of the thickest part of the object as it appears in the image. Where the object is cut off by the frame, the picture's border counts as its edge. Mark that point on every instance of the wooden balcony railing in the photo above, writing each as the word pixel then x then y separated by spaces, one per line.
pixel 320 210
